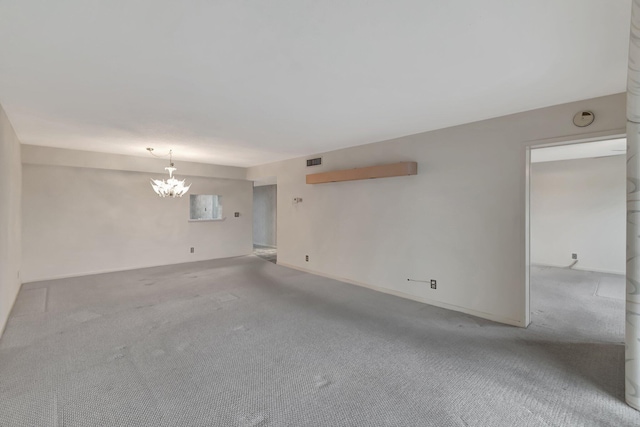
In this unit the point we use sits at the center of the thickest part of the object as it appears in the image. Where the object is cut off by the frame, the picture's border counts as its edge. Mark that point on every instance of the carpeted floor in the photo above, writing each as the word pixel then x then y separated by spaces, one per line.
pixel 244 342
pixel 266 252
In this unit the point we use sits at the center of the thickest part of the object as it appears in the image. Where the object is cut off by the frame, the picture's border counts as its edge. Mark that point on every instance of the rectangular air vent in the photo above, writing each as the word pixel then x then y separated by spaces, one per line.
pixel 314 162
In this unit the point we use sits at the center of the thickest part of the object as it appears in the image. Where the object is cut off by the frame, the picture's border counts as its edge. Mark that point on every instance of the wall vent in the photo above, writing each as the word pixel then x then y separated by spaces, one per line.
pixel 314 162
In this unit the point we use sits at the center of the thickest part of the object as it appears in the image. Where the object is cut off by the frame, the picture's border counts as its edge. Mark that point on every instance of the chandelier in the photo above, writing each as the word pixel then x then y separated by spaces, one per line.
pixel 171 187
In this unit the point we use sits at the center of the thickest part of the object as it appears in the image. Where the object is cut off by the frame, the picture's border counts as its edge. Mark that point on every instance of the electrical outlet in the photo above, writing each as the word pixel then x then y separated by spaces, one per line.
pixel 193 250
pixel 433 284
pixel 574 256
pixel 237 214
pixel 306 258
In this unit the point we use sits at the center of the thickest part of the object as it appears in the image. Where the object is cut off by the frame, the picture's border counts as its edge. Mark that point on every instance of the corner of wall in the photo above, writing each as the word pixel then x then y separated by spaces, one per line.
pixel 10 218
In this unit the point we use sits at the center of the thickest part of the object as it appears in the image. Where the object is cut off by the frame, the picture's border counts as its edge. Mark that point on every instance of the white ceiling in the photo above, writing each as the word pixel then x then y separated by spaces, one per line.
pixel 242 82
pixel 585 150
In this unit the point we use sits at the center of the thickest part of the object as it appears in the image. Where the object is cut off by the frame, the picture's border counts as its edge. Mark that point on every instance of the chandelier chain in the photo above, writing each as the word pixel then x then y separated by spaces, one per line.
pixel 160 156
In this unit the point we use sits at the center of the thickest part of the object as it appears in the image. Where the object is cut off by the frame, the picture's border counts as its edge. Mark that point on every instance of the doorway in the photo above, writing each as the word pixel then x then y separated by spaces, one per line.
pixel 577 226
pixel 265 198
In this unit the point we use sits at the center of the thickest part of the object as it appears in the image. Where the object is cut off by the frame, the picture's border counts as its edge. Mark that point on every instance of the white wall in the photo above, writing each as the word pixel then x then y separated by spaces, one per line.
pixel 10 238
pixel 79 220
pixel 460 221
pixel 579 206
pixel 264 215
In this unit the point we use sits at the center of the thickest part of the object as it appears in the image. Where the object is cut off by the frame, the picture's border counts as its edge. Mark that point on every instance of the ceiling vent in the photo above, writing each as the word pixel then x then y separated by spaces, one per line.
pixel 314 162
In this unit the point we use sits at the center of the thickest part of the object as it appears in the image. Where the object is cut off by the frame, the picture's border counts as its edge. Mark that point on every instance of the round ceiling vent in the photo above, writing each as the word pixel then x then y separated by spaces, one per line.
pixel 583 118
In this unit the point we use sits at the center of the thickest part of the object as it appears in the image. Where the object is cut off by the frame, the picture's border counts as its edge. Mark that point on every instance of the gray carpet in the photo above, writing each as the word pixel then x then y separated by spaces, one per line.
pixel 611 286
pixel 266 252
pixel 244 342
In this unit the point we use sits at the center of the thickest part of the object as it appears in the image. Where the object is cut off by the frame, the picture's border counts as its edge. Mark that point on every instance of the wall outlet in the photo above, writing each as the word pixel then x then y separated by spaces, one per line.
pixel 193 250
pixel 574 256
pixel 306 258
pixel 433 284
pixel 236 214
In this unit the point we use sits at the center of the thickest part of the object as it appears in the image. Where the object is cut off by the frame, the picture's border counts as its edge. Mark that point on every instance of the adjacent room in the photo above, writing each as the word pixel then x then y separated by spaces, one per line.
pixel 294 213
pixel 578 225
pixel 265 212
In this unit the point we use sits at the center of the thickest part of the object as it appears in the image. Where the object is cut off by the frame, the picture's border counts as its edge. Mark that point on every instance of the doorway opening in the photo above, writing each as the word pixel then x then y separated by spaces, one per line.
pixel 265 198
pixel 577 239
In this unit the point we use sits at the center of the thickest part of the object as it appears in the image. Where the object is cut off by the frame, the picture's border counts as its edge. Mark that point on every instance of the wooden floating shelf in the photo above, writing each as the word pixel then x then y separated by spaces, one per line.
pixel 371 172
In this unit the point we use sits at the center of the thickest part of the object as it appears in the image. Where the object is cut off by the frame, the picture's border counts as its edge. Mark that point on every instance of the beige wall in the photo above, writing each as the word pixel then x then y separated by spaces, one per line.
pixel 579 206
pixel 81 220
pixel 10 237
pixel 461 220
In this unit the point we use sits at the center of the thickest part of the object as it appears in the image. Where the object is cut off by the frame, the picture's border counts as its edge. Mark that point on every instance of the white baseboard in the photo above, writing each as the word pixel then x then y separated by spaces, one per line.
pixel 117 270
pixel 577 267
pixel 488 316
